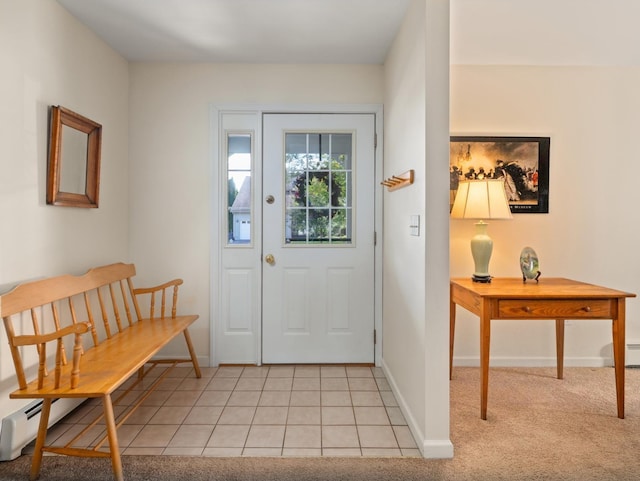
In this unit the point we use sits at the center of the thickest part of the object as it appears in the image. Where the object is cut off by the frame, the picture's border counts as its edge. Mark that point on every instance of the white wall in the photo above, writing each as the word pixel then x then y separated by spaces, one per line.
pixel 592 116
pixel 415 270
pixel 48 58
pixel 171 157
pixel 156 194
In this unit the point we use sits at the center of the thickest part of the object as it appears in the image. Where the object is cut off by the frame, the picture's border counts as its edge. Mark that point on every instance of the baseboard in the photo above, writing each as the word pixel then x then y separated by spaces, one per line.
pixel 429 448
pixel 437 449
pixel 203 361
pixel 470 361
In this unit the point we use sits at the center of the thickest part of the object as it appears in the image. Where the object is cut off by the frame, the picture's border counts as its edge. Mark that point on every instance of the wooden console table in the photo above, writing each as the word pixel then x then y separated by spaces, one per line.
pixel 550 298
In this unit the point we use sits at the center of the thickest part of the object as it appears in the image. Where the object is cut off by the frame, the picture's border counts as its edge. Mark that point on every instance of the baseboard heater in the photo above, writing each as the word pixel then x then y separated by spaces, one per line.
pixel 633 354
pixel 21 427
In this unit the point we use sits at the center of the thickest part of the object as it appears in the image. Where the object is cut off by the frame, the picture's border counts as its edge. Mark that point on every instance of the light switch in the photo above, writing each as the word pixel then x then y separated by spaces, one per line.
pixel 414 225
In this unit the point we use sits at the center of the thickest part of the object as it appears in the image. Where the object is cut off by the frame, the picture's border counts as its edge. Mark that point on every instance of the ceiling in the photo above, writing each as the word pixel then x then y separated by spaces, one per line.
pixel 245 31
pixel 504 32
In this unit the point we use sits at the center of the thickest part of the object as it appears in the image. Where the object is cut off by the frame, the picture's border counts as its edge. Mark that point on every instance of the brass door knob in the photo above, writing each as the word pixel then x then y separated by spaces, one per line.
pixel 269 259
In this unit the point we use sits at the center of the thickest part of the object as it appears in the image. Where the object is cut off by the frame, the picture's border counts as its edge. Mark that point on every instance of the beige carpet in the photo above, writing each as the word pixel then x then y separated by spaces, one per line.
pixel 538 428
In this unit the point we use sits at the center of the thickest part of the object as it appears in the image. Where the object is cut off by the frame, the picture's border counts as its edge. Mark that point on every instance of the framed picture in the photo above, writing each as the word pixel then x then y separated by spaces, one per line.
pixel 523 162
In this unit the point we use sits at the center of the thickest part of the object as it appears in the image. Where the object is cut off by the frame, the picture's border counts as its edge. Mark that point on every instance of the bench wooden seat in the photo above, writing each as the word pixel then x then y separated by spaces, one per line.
pixel 99 374
pixel 104 354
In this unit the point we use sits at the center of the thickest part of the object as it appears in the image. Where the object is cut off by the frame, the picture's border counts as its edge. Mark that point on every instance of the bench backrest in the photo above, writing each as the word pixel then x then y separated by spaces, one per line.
pixel 67 302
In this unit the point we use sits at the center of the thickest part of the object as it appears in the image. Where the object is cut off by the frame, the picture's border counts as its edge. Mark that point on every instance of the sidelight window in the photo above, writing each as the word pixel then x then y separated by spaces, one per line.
pixel 239 188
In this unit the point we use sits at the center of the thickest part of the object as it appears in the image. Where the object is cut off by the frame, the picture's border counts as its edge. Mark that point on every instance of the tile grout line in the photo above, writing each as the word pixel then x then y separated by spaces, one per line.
pixel 177 393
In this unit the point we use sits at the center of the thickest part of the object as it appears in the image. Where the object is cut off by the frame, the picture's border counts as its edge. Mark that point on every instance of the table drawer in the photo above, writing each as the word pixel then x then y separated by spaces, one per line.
pixel 554 309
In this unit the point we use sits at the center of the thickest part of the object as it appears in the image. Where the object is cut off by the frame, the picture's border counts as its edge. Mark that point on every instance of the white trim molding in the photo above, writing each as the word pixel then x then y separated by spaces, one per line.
pixel 473 361
pixel 430 448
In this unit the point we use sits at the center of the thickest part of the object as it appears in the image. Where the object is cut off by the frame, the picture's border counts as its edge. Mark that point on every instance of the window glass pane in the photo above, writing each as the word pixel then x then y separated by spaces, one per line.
pixel 341 150
pixel 325 153
pixel 296 148
pixel 296 225
pixel 318 189
pixel 313 151
pixel 341 195
pixel 318 225
pixel 318 175
pixel 239 164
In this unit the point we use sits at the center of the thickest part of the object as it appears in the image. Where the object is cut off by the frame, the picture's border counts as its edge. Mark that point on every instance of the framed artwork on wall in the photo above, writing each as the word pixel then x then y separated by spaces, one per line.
pixel 523 162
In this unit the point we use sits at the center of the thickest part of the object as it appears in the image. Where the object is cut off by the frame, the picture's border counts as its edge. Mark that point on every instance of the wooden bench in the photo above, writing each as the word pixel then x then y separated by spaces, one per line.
pixel 104 355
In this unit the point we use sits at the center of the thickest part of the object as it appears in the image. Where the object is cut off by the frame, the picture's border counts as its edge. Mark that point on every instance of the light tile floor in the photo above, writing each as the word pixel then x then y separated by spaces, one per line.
pixel 258 411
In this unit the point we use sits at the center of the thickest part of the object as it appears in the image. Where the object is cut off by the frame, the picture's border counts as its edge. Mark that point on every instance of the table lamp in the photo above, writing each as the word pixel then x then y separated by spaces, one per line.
pixel 481 199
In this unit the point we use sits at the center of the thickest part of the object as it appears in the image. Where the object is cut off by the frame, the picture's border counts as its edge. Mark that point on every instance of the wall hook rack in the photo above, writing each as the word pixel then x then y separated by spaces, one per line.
pixel 396 182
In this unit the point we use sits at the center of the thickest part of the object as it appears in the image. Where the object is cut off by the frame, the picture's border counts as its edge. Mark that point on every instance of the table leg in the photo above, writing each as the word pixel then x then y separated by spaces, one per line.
pixel 485 338
pixel 452 331
pixel 618 354
pixel 560 347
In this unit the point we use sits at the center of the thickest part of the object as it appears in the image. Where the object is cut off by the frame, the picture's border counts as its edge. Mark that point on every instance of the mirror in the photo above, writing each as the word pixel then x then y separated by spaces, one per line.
pixel 73 177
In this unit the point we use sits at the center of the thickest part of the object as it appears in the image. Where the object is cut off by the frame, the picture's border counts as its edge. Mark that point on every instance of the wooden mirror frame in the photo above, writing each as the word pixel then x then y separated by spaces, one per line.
pixel 60 117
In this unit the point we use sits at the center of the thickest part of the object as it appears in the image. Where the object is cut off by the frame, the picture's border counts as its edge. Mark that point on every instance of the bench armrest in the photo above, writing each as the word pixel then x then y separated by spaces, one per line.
pixel 29 340
pixel 173 284
pixel 41 340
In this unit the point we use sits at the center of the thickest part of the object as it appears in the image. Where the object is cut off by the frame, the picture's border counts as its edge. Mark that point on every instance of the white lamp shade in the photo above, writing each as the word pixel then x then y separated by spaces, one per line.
pixel 481 199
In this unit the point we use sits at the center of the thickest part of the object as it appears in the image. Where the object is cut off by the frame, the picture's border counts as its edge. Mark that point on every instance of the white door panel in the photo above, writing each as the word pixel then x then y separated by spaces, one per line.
pixel 318 292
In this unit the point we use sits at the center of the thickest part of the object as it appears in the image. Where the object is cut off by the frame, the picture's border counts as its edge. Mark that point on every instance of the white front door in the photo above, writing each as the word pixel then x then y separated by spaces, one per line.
pixel 318 238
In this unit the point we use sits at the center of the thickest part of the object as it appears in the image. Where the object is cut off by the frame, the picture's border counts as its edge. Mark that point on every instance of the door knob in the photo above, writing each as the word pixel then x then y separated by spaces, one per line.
pixel 269 259
pixel 270 199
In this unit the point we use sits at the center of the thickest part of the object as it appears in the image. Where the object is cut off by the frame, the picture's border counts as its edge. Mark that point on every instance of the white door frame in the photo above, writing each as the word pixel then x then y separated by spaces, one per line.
pixel 253 335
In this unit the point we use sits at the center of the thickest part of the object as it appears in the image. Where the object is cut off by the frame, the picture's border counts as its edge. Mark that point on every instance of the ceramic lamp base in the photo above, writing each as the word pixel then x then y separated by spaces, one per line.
pixel 481 249
pixel 484 279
